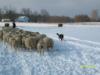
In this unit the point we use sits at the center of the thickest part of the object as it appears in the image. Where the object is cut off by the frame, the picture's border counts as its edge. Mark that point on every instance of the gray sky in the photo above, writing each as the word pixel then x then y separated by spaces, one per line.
pixel 55 7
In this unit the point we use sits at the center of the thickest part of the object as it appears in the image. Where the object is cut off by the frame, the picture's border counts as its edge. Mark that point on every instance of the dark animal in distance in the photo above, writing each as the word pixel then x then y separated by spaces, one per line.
pixel 60 36
pixel 14 24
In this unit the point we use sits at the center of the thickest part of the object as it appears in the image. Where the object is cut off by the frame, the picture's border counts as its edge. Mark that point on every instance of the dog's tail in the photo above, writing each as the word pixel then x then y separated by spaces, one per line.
pixel 57 34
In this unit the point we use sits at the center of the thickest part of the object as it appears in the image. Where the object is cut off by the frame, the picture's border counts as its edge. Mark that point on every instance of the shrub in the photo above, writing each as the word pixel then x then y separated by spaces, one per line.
pixel 6 24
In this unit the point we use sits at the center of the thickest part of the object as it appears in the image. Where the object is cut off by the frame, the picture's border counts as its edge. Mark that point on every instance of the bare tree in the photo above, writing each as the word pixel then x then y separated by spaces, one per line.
pixel 9 13
pixel 26 11
pixel 44 12
pixel 35 16
pixel 45 15
pixel 1 14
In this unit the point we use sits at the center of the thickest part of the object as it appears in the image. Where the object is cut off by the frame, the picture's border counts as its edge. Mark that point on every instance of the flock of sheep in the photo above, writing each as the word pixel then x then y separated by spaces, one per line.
pixel 18 38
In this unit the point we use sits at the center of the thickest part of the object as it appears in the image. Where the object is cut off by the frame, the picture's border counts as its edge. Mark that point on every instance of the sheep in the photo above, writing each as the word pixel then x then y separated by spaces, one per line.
pixel 26 39
pixel 18 39
pixel 49 42
pixel 30 42
pixel 8 31
pixel 41 46
pixel 23 41
pixel 44 44
pixel 7 28
pixel 12 42
pixel 9 38
pixel 25 33
pixel 34 33
pixel 5 37
pixel 19 31
pixel 41 36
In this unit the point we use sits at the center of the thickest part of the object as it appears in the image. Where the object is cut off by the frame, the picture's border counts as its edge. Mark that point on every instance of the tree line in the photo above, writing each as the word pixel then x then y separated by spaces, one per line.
pixel 42 16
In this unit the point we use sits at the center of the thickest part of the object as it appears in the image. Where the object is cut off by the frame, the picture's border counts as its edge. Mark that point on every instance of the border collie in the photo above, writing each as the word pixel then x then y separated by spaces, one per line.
pixel 60 36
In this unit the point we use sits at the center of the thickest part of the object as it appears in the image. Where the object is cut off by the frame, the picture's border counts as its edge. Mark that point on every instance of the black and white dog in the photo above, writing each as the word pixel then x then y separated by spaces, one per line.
pixel 60 36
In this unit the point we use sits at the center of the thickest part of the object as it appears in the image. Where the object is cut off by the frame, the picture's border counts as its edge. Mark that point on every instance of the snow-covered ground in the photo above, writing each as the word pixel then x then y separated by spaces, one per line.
pixel 81 47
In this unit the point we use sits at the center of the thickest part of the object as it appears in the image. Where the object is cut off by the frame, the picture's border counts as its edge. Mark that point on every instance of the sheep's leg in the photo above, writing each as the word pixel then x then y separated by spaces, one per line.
pixel 42 52
pixel 30 49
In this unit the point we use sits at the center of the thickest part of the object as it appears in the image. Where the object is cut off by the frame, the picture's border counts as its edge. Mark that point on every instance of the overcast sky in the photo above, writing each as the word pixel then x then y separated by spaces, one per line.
pixel 55 7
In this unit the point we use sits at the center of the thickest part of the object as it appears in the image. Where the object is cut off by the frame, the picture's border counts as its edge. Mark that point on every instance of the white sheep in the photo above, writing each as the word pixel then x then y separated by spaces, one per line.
pixel 41 36
pixel 12 42
pixel 49 42
pixel 18 39
pixel 26 39
pixel 30 42
pixel 34 33
pixel 5 35
pixel 41 46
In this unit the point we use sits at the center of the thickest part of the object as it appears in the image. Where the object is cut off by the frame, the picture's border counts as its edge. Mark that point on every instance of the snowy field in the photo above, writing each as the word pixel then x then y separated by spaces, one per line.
pixel 78 54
